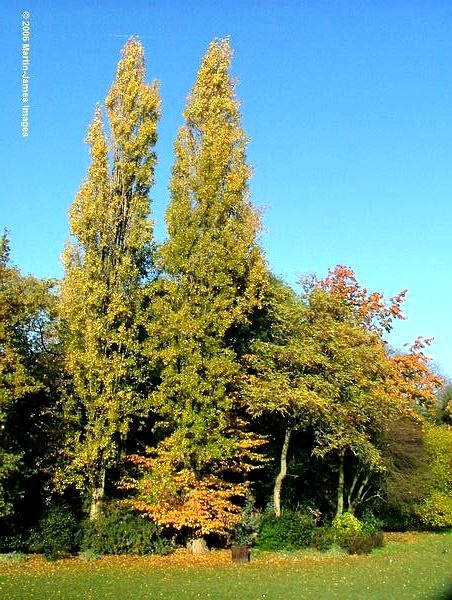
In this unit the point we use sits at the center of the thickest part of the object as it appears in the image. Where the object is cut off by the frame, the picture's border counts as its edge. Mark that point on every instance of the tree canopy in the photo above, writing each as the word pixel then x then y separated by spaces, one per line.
pixel 215 281
pixel 106 267
pixel 183 379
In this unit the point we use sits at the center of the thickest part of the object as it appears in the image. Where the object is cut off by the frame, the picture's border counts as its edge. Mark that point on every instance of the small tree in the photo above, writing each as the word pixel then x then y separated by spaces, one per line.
pixel 277 380
pixel 379 389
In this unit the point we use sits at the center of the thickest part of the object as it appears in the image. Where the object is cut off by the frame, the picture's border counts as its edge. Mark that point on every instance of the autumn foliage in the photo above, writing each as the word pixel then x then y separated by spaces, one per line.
pixel 175 377
pixel 106 264
pixel 180 499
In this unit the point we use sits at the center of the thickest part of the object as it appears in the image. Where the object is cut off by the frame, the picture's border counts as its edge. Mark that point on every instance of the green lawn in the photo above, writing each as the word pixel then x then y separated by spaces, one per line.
pixel 409 566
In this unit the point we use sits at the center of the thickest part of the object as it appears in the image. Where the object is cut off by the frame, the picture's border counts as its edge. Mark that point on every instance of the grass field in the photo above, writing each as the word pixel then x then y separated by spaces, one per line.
pixel 409 566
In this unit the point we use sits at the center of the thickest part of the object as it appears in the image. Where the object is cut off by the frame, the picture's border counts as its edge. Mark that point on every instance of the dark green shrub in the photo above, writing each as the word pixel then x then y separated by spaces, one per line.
pixel 122 531
pixel 371 524
pixel 399 521
pixel 364 544
pixel 290 531
pixel 323 538
pixel 57 532
pixel 17 542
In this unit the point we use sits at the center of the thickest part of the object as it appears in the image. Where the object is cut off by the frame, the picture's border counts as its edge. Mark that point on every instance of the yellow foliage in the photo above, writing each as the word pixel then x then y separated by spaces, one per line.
pixel 102 289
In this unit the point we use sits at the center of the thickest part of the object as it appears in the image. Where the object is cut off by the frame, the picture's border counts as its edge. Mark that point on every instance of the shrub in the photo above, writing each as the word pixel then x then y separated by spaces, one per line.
pixel 355 536
pixel 436 510
pixel 364 543
pixel 371 524
pixel 15 542
pixel 323 538
pixel 57 532
pixel 290 531
pixel 122 531
pixel 345 528
pixel 394 520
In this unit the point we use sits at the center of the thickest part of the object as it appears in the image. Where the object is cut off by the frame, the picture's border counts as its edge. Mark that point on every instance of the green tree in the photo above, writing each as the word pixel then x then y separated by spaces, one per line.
pixel 444 404
pixel 373 387
pixel 327 369
pixel 27 354
pixel 215 283
pixel 282 378
pixel 436 508
pixel 407 474
pixel 107 266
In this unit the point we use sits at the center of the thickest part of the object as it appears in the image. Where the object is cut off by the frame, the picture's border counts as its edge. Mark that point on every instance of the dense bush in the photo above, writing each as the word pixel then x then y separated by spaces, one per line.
pixel 345 528
pixel 371 524
pixel 364 543
pixel 324 538
pixel 355 536
pixel 395 520
pixel 290 531
pixel 246 532
pixel 13 542
pixel 121 531
pixel 436 510
pixel 57 532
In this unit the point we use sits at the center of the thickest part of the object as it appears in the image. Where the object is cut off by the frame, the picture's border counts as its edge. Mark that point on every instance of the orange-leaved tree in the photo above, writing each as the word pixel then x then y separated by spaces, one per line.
pixel 395 386
pixel 326 367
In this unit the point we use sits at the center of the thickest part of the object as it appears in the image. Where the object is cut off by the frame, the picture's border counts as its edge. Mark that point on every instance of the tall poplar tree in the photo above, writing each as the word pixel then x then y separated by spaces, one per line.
pixel 216 279
pixel 106 266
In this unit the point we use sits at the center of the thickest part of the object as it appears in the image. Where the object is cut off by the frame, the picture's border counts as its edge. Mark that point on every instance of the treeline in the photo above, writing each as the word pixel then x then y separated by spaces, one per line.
pixel 185 383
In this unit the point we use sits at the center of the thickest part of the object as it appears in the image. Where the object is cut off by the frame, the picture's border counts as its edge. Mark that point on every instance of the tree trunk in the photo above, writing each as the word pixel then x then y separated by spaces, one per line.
pixel 340 485
pixel 282 473
pixel 350 501
pixel 97 499
pixel 240 554
pixel 197 546
pixel 361 492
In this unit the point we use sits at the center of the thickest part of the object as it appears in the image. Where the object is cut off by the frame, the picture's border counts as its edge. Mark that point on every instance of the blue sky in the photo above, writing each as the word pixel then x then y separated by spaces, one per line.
pixel 348 106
